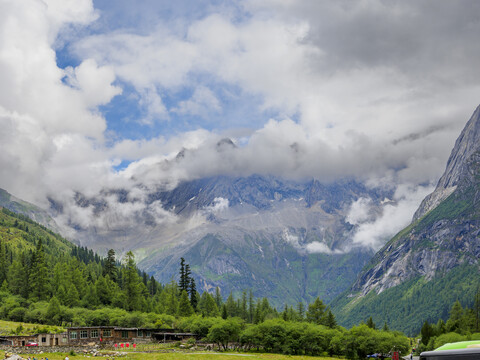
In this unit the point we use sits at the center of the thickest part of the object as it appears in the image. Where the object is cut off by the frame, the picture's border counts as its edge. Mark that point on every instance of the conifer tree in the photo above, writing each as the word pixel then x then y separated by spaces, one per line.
pixel 207 305
pixel 243 308
pixel 16 277
pixel 3 263
pixel 182 284
pixel 131 283
pixel 301 311
pixel 370 323
pixel 73 298
pixel 426 332
pixel 184 306
pixel 316 312
pixel 330 320
pixel 39 274
pixel 218 297
pixel 152 286
pixel 193 294
pixel 224 312
pixel 231 306
pixel 109 267
pixel 251 306
pixel 53 311
pixel 188 272
pixel 91 299
pixel 170 294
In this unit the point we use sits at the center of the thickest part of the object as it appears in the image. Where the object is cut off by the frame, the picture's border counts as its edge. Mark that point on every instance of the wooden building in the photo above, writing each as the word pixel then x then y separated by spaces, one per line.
pixel 115 335
pixel 107 335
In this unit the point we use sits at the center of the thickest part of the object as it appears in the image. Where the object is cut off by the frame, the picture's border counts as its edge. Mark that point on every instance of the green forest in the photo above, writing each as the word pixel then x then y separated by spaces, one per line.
pixel 47 280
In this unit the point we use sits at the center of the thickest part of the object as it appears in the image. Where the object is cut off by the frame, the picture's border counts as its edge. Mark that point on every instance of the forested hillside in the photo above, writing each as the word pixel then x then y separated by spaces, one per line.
pixel 46 279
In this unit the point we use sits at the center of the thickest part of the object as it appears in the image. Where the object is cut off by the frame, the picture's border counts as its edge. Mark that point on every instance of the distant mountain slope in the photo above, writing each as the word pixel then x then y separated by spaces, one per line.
pixel 21 233
pixel 19 206
pixel 288 240
pixel 443 242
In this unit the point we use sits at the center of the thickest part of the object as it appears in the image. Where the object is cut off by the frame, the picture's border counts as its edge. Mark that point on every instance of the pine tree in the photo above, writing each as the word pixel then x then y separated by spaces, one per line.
pixel 182 285
pixel 73 298
pixel 109 267
pixel 285 313
pixel 251 307
pixel 224 312
pixel 187 277
pixel 15 277
pixel 152 286
pixel 426 332
pixel 184 307
pixel 131 283
pixel 171 297
pixel 330 320
pixel 370 323
pixel 301 311
pixel 39 274
pixel 207 305
pixel 316 312
pixel 3 263
pixel 231 306
pixel 243 306
pixel 193 294
pixel 91 299
pixel 218 297
pixel 53 311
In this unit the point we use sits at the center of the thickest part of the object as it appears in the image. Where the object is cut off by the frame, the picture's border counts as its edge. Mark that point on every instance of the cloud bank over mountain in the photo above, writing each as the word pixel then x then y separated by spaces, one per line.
pixel 106 94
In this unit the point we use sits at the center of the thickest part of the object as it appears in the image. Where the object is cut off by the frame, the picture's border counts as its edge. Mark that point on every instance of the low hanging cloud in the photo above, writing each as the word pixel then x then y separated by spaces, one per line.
pixel 372 229
pixel 219 204
pixel 314 247
pixel 339 89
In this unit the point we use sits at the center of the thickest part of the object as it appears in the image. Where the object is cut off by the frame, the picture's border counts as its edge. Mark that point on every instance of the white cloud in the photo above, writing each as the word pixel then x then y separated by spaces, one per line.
pixel 202 102
pixel 344 91
pixel 219 204
pixel 316 247
pixel 394 216
pixel 360 211
pixel 95 83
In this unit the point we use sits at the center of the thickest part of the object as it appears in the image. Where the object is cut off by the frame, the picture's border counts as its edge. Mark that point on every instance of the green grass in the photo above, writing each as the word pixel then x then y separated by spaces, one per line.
pixel 10 327
pixel 186 356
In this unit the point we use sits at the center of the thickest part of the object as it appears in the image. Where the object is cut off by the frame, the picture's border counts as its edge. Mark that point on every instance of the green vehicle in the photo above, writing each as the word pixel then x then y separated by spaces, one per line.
pixel 463 350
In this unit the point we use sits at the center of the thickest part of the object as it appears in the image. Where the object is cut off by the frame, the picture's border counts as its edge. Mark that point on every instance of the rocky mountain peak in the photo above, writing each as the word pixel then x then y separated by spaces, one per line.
pixel 445 231
pixel 467 144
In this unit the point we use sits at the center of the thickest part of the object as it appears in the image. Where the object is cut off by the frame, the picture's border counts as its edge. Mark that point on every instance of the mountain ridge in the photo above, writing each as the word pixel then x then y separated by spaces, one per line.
pixel 442 238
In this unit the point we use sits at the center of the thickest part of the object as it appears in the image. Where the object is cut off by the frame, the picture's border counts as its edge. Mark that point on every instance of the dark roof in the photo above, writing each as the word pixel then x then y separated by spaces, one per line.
pixel 114 328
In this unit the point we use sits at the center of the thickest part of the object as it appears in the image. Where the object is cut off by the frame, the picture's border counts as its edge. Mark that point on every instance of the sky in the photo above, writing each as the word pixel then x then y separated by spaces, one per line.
pixel 105 94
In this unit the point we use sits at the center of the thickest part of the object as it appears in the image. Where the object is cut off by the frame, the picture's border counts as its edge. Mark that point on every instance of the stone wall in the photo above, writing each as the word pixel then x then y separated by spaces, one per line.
pixel 50 349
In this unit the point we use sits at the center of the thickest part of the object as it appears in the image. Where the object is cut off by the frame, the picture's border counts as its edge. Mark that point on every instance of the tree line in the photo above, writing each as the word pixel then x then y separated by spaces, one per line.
pixel 462 324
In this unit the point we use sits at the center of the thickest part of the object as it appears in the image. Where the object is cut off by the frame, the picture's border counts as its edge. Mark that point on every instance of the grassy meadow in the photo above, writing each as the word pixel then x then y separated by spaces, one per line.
pixel 21 328
pixel 182 356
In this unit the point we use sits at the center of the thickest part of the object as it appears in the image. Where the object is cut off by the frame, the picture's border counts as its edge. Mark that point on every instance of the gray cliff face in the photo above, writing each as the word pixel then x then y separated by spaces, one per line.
pixel 467 143
pixel 446 230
